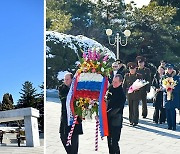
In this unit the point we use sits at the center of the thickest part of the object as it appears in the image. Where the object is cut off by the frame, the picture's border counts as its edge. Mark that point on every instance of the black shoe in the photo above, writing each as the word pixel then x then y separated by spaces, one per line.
pixel 131 123
pixel 144 117
pixel 173 128
pixel 170 128
pixel 134 124
pixel 160 122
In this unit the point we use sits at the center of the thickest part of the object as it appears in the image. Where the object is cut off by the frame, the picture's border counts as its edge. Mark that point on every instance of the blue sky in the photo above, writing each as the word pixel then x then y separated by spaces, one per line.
pixel 21 45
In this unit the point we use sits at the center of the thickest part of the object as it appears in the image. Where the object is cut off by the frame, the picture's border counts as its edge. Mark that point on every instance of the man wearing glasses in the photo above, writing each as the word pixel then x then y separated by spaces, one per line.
pixel 115 68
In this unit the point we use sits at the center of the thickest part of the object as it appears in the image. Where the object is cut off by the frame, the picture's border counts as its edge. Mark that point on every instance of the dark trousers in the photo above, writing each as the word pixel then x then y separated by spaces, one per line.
pixel 113 139
pixel 133 111
pixel 19 142
pixel 1 138
pixel 159 115
pixel 144 104
pixel 73 148
pixel 171 118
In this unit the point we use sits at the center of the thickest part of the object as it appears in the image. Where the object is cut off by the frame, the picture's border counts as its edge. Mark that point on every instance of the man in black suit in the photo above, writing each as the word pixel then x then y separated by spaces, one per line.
pixel 114 71
pixel 64 128
pixel 115 105
pixel 121 67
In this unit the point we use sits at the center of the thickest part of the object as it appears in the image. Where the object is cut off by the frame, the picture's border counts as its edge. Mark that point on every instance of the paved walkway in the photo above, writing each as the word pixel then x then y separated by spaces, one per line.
pixel 10 146
pixel 146 138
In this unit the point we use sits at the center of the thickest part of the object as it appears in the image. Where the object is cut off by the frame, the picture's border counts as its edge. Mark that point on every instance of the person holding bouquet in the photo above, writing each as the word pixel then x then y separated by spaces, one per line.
pixel 159 112
pixel 146 75
pixel 134 97
pixel 64 128
pixel 115 99
pixel 171 95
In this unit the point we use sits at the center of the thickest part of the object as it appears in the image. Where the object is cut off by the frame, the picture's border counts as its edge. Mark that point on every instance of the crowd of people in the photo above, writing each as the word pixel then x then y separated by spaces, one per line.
pixel 120 80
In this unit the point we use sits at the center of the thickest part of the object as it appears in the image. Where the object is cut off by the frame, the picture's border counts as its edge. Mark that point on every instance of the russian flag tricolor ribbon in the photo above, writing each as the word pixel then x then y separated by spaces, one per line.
pixel 102 109
pixel 93 93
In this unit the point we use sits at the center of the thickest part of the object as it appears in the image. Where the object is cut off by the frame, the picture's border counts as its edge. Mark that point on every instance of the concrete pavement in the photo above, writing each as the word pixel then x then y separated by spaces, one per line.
pixel 146 138
pixel 10 146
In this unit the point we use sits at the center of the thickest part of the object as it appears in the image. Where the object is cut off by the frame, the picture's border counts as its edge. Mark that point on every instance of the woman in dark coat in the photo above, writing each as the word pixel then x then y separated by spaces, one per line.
pixel 170 105
pixel 159 112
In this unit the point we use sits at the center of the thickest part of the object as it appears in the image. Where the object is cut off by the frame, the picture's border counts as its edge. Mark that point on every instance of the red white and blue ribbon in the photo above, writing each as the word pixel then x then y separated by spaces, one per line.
pixel 102 109
pixel 70 99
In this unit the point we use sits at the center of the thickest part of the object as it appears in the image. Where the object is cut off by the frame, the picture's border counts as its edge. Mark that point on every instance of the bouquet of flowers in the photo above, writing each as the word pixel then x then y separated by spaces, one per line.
pixel 85 107
pixel 152 94
pixel 137 85
pixel 169 84
pixel 94 62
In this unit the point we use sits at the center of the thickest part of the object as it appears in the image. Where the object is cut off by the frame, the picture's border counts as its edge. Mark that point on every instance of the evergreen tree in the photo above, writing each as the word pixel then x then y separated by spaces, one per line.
pixel 153 34
pixel 40 106
pixel 81 12
pixel 56 19
pixel 174 3
pixel 108 14
pixel 28 95
pixel 7 102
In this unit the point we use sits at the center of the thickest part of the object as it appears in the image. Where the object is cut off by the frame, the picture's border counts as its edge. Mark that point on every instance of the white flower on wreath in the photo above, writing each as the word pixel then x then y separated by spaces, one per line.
pixel 90 106
pixel 98 62
pixel 90 77
pixel 104 62
pixel 102 69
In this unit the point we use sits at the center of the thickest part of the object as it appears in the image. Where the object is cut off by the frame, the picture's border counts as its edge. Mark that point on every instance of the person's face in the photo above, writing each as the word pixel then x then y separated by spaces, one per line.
pixel 116 83
pixel 141 64
pixel 67 80
pixel 161 71
pixel 115 67
pixel 120 64
pixel 132 70
pixel 169 70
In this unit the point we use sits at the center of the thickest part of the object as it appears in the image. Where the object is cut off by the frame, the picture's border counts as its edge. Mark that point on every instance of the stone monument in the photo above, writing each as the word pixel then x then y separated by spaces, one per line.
pixel 29 115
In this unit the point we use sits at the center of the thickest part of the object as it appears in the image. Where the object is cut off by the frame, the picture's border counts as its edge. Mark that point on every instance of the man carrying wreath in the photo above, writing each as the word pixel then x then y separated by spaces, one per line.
pixel 64 128
pixel 115 104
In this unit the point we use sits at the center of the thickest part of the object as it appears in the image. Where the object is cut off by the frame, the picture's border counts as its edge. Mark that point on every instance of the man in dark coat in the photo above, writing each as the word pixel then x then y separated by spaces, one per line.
pixel 1 136
pixel 64 128
pixel 171 104
pixel 146 75
pixel 114 71
pixel 133 98
pixel 159 112
pixel 115 105
pixel 121 68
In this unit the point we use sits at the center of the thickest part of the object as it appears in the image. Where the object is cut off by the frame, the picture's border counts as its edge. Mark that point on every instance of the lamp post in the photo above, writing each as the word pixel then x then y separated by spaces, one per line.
pixel 118 39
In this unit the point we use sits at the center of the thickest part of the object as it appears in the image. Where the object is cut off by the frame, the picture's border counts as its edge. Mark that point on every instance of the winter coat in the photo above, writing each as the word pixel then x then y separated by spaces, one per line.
pixel 115 105
pixel 64 128
pixel 157 83
pixel 175 101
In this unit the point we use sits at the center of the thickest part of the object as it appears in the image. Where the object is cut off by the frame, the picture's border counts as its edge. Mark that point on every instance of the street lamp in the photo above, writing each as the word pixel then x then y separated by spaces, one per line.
pixel 118 39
